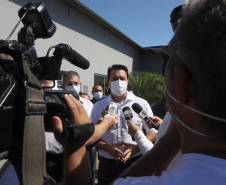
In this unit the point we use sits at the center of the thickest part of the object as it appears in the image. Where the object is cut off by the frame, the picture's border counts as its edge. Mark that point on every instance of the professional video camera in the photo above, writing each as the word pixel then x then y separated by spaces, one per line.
pixel 20 69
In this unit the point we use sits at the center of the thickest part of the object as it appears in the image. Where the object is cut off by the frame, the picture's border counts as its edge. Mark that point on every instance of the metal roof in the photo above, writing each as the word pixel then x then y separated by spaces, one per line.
pixel 81 7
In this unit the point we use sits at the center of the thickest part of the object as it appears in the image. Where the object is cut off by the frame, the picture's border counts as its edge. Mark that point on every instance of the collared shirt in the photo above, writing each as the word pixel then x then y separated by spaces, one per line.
pixel 52 144
pixel 119 133
pixel 88 105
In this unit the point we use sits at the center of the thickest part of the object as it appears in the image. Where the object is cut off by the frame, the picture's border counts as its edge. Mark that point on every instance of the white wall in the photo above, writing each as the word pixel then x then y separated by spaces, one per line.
pixel 100 46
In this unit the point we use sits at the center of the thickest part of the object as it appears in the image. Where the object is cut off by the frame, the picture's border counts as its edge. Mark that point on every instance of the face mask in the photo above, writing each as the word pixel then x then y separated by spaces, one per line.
pixel 118 88
pixel 73 88
pixel 98 95
pixel 194 110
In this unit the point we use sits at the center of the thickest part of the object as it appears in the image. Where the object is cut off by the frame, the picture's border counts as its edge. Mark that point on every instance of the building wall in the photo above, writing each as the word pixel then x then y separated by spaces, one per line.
pixel 151 61
pixel 89 38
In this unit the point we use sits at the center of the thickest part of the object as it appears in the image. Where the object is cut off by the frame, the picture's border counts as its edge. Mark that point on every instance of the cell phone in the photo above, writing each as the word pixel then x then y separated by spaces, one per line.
pixel 112 109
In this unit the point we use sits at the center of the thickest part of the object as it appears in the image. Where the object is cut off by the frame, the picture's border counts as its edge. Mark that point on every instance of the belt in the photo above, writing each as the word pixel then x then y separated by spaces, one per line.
pixel 118 162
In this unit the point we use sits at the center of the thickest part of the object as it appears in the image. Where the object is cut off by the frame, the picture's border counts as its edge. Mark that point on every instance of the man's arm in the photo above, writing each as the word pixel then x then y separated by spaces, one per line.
pixel 76 164
pixel 133 149
pixel 102 126
pixel 159 157
pixel 143 143
pixel 151 136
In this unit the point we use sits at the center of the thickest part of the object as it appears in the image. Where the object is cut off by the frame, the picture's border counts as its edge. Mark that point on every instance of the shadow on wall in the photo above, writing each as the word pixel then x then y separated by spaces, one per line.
pixel 65 14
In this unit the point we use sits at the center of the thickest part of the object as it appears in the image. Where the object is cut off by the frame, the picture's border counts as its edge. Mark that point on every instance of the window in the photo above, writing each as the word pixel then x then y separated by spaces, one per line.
pixel 60 81
pixel 100 80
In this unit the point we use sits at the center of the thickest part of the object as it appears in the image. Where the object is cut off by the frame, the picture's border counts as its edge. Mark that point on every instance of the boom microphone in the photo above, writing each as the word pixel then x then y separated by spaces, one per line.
pixel 127 113
pixel 143 114
pixel 66 52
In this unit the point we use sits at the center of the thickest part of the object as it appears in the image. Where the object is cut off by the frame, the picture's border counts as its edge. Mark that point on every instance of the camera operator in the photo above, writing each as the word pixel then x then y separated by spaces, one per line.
pixel 10 168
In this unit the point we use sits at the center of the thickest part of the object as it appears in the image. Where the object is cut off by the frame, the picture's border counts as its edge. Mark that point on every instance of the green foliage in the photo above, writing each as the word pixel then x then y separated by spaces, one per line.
pixel 148 86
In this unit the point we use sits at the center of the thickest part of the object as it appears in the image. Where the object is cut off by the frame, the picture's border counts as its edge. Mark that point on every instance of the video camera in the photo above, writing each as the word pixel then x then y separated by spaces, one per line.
pixel 20 68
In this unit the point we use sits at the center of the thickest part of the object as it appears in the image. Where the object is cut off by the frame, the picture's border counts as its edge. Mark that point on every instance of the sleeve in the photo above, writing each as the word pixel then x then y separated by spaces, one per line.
pixel 143 143
pixel 90 109
pixel 52 144
pixel 94 114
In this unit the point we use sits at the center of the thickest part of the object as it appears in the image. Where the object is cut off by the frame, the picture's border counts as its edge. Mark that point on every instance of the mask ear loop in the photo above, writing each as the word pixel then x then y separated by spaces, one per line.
pixel 194 110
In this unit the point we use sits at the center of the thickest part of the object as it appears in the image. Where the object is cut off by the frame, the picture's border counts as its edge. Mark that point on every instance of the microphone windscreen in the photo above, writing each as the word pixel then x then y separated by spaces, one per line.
pixel 127 113
pixel 79 61
pixel 125 108
pixel 137 108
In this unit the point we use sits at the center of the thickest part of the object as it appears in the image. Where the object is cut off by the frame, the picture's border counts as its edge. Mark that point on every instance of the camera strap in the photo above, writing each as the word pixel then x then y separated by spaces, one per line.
pixel 34 148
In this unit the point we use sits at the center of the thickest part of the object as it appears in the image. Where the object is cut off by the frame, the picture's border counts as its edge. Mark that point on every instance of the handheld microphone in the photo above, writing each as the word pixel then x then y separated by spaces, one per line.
pixel 127 113
pixel 66 52
pixel 143 114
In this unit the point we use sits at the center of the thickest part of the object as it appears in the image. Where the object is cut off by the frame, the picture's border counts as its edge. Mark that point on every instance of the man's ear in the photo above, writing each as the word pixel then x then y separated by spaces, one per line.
pixel 182 84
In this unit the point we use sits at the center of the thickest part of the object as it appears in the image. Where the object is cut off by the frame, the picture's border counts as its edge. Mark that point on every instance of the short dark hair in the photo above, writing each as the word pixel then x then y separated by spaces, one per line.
pixel 70 74
pixel 97 85
pixel 175 16
pixel 118 67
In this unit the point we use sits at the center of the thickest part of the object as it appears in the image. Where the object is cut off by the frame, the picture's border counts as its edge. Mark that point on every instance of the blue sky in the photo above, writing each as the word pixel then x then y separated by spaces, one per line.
pixel 147 22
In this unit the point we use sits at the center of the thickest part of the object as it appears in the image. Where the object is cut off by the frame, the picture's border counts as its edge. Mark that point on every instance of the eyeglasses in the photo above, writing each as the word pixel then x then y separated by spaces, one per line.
pixel 166 55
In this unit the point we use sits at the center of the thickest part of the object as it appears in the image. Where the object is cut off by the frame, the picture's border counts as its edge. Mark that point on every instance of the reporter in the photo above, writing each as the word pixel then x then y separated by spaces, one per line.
pixel 79 116
pixel 143 143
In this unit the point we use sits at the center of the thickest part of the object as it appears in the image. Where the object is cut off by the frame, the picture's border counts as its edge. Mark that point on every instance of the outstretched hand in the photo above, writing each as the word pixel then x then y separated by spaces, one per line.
pixel 132 128
pixel 78 116
pixel 110 121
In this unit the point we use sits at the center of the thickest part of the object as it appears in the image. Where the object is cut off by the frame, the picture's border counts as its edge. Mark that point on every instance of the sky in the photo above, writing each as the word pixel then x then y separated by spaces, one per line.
pixel 146 22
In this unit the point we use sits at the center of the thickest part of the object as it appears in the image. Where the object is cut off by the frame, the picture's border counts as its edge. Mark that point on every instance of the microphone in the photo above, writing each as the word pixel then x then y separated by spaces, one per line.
pixel 143 114
pixel 66 52
pixel 127 113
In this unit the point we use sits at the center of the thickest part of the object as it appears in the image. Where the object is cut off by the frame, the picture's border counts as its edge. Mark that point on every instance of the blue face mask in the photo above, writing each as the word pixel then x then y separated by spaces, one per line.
pixel 194 110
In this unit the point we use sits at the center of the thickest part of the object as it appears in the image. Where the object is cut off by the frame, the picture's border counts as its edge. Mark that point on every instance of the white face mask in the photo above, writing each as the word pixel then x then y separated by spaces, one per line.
pixel 73 88
pixel 194 110
pixel 118 88
pixel 98 95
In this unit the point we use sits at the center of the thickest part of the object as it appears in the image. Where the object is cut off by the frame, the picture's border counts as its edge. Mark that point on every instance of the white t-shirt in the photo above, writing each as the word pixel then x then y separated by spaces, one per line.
pixel 119 133
pixel 194 169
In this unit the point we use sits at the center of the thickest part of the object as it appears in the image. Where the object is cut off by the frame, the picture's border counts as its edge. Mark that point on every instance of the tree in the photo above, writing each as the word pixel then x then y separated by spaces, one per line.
pixel 148 86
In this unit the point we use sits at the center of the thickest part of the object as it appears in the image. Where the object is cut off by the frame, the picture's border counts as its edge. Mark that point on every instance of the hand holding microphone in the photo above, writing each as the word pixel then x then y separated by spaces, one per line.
pixel 132 128
pixel 143 114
